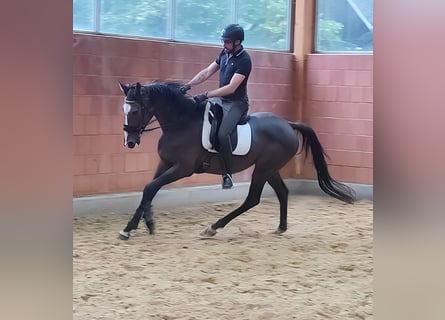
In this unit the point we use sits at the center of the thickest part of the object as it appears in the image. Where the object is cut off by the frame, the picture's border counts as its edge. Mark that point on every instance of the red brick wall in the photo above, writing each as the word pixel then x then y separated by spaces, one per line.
pixel 338 106
pixel 340 109
pixel 101 163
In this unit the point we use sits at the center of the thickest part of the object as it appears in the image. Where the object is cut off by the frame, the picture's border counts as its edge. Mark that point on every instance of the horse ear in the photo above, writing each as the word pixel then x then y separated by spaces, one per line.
pixel 124 88
pixel 138 89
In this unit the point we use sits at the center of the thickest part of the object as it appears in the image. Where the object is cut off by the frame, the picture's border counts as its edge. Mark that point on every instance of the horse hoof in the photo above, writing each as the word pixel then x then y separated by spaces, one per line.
pixel 124 235
pixel 209 232
pixel 279 231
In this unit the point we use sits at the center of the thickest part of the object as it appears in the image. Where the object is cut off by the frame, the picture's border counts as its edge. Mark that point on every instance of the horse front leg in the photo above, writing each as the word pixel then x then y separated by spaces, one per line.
pixel 147 214
pixel 143 211
pixel 162 177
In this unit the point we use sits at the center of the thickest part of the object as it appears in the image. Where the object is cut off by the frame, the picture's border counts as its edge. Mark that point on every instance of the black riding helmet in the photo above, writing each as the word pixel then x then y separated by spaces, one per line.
pixel 232 32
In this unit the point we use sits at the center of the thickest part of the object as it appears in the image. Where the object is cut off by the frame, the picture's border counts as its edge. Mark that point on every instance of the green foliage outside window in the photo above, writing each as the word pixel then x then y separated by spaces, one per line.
pixel 329 36
pixel 344 25
pixel 201 21
pixel 266 22
pixel 139 18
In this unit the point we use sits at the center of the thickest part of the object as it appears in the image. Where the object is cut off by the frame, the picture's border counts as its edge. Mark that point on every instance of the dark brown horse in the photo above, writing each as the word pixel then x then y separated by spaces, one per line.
pixel 274 141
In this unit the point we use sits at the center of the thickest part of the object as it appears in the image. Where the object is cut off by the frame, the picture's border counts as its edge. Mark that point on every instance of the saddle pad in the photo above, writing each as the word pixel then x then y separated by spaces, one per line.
pixel 244 136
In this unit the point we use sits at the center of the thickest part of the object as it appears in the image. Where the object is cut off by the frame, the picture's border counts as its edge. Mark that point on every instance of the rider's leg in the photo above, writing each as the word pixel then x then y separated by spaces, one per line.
pixel 232 115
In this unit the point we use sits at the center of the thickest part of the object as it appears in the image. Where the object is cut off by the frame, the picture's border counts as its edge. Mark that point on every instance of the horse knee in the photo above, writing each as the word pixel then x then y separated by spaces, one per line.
pixel 147 190
pixel 250 203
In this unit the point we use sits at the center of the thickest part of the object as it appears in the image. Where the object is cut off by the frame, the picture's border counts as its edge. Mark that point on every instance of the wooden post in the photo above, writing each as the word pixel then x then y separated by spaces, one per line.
pixel 303 44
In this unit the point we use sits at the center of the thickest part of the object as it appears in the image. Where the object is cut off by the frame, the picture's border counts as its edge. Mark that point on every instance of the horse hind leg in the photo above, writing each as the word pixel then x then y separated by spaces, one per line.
pixel 252 199
pixel 149 220
pixel 277 184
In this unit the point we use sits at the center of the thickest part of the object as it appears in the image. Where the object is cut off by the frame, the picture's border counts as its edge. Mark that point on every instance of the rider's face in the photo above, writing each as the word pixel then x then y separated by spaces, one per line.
pixel 229 45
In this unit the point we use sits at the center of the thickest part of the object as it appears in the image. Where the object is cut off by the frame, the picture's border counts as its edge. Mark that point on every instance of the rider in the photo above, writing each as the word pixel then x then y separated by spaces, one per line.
pixel 234 67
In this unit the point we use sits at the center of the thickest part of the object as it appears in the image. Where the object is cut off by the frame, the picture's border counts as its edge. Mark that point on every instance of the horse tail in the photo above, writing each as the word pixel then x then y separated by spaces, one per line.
pixel 325 181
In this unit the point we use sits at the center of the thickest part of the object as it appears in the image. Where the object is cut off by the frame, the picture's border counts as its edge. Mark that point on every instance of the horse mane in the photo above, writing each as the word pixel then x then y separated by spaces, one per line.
pixel 180 103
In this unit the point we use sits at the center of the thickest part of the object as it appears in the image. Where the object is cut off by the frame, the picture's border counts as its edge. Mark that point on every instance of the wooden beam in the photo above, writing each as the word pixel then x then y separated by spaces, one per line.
pixel 304 34
pixel 303 44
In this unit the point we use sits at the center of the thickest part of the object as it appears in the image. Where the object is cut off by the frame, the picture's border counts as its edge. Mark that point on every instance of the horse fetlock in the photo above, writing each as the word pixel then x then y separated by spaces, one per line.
pixel 131 226
pixel 281 229
pixel 147 215
pixel 150 223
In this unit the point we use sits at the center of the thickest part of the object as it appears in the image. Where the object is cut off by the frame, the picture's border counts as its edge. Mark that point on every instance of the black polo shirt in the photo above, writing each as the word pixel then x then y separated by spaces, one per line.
pixel 229 65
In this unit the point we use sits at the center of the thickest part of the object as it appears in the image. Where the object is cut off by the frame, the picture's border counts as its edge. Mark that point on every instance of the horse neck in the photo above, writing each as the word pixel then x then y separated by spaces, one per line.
pixel 170 118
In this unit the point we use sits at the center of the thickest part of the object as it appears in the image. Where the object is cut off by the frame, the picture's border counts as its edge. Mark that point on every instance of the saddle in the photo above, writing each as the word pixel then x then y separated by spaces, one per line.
pixel 241 138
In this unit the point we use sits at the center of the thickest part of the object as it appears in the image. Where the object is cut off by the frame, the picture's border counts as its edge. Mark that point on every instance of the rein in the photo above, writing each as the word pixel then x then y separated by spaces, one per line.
pixel 138 130
pixel 149 123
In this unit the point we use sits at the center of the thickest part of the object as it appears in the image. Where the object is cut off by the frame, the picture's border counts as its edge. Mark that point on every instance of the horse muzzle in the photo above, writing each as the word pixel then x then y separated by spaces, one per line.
pixel 131 142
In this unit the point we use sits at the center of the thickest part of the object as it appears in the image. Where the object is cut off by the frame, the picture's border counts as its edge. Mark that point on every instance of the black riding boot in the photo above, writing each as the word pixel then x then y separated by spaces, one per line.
pixel 227 181
pixel 226 161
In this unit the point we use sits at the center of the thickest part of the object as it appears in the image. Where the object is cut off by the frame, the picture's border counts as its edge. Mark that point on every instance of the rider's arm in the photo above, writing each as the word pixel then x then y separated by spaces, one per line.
pixel 204 74
pixel 229 88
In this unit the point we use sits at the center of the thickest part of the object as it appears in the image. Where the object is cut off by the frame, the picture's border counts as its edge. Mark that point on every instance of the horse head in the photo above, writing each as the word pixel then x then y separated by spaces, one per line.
pixel 137 112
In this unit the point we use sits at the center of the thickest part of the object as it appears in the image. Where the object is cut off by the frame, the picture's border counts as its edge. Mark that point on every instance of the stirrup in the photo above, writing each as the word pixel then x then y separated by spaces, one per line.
pixel 227 181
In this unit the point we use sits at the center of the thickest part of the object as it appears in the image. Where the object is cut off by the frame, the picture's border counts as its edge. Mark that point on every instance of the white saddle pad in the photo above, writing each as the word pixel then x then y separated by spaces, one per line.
pixel 244 135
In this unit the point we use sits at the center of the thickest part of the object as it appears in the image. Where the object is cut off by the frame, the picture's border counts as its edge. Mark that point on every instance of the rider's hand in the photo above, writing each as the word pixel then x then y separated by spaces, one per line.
pixel 200 97
pixel 183 89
